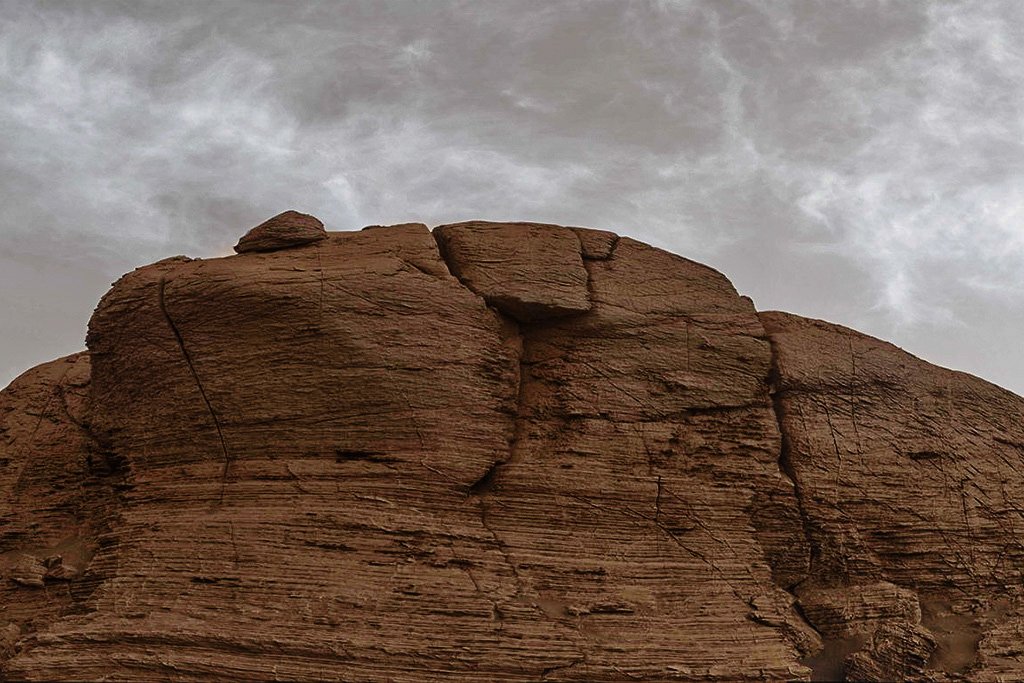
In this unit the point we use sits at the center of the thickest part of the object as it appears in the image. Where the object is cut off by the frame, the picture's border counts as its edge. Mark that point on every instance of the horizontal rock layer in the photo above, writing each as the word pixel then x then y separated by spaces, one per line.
pixel 907 474
pixel 498 452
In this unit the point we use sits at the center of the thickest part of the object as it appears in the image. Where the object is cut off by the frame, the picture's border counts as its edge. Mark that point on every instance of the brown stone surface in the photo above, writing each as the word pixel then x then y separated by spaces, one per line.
pixel 528 270
pixel 643 435
pixel 58 501
pixel 911 482
pixel 288 229
pixel 534 453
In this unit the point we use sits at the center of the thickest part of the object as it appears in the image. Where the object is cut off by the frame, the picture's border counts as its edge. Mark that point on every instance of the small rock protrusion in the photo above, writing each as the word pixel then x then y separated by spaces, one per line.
pixel 57 567
pixel 28 571
pixel 288 229
pixel 9 635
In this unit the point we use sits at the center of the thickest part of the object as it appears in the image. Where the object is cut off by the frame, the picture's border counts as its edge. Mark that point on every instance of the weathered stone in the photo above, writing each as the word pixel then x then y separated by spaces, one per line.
pixel 529 271
pixel 907 474
pixel 58 491
pixel 642 437
pixel 844 611
pixel 596 245
pixel 534 453
pixel 9 636
pixel 28 571
pixel 288 229
pixel 897 651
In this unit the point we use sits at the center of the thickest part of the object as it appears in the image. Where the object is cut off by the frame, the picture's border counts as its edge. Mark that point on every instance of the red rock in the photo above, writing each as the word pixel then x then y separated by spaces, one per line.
pixel 907 473
pixel 288 229
pixel 536 453
pixel 896 652
pixel 642 438
pixel 528 271
pixel 58 491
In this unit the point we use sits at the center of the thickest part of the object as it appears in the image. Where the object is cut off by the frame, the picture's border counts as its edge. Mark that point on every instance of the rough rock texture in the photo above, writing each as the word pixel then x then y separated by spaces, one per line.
pixel 527 271
pixel 498 452
pixel 911 483
pixel 288 229
pixel 59 499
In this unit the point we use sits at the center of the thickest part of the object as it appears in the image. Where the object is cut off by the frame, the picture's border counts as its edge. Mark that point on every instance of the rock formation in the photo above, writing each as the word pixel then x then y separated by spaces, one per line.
pixel 288 229
pixel 504 452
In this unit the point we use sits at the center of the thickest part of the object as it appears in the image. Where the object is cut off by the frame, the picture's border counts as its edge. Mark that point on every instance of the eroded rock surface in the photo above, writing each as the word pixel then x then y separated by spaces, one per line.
pixel 528 271
pixel 499 451
pixel 60 499
pixel 911 481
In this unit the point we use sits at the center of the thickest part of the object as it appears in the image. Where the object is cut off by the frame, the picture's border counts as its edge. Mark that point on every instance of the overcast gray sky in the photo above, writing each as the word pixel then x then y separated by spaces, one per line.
pixel 858 161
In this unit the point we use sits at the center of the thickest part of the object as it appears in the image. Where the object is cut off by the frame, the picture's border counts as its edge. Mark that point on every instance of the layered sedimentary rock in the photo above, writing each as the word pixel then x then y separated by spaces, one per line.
pixel 59 499
pixel 498 451
pixel 527 271
pixel 911 483
pixel 642 436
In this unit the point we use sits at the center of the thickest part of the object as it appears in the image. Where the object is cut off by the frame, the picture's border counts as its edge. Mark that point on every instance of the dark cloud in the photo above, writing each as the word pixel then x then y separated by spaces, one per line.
pixel 856 161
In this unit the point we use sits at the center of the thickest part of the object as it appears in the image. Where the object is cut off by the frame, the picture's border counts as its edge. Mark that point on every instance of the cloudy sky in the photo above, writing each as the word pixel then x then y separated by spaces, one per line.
pixel 860 161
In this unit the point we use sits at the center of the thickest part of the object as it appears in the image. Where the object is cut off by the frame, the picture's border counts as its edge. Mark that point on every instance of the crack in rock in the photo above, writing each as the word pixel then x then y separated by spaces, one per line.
pixel 162 300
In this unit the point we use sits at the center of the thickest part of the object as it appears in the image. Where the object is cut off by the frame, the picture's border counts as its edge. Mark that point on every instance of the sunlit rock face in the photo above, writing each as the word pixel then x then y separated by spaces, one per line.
pixel 497 451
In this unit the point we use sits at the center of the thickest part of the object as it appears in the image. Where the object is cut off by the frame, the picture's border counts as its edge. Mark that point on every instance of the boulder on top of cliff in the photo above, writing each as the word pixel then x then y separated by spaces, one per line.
pixel 529 271
pixel 288 229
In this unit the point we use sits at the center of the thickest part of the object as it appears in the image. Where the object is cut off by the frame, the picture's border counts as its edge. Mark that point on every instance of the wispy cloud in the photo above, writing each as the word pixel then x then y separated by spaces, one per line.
pixel 925 188
pixel 857 161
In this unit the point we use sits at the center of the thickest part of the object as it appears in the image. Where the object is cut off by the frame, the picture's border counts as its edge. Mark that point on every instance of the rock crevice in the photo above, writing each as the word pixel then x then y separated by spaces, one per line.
pixel 516 315
pixel 162 303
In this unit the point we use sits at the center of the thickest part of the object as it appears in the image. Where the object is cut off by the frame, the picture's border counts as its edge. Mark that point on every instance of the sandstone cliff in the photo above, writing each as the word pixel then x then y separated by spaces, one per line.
pixel 497 451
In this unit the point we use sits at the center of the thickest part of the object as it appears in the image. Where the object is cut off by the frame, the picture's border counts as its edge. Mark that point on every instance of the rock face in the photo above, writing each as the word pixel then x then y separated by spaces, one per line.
pixel 498 452
pixel 910 479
